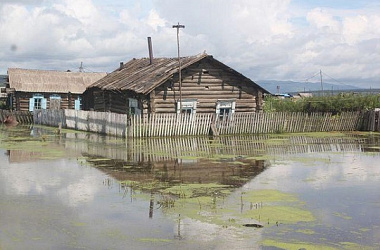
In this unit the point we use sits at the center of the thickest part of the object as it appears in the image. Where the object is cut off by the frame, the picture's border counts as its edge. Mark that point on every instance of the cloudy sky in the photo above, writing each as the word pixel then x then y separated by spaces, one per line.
pixel 263 39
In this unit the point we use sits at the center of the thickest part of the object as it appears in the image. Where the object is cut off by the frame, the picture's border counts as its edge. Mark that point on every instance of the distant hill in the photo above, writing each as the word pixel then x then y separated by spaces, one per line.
pixel 294 87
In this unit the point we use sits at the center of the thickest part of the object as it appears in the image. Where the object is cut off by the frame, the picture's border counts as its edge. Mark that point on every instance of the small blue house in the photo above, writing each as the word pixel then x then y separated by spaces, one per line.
pixel 43 89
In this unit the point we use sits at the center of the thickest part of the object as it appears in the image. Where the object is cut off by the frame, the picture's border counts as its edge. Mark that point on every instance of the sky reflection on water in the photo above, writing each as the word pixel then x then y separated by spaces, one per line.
pixel 75 199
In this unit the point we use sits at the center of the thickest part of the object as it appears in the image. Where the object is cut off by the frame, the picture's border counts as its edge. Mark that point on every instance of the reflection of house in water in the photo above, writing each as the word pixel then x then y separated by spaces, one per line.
pixel 180 160
pixel 227 160
pixel 36 143
pixel 200 171
pixel 17 156
pixel 184 160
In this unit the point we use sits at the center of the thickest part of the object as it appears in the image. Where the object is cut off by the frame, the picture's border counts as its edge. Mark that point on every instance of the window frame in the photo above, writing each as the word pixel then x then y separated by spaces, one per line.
pixel 133 106
pixel 225 107
pixel 189 106
pixel 38 100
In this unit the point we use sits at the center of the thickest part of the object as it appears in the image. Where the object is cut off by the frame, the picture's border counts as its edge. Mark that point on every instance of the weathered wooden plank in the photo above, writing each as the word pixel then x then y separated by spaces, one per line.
pixel 183 124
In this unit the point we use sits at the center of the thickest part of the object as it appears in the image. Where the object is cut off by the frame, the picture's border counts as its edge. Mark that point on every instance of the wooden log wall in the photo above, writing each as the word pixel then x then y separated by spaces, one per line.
pixel 21 100
pixel 100 103
pixel 114 101
pixel 207 83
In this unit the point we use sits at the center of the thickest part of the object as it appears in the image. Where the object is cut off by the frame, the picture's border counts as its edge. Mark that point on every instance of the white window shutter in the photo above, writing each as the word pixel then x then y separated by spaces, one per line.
pixel 43 103
pixel 77 104
pixel 218 108
pixel 178 107
pixel 31 104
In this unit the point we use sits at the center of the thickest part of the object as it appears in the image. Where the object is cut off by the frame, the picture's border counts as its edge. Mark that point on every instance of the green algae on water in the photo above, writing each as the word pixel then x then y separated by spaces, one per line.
pixel 197 190
pixel 268 195
pixel 295 245
pixel 154 240
pixel 343 216
pixel 354 246
pixel 306 231
pixel 280 215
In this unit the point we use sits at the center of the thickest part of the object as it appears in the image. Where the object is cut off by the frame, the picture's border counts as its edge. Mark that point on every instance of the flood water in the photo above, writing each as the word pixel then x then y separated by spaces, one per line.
pixel 84 191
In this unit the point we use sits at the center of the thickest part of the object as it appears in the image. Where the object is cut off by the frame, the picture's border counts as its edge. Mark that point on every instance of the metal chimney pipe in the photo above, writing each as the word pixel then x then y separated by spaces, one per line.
pixel 150 50
pixel 121 65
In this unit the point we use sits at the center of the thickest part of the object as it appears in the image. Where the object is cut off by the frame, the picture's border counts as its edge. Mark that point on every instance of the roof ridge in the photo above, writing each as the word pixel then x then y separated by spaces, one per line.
pixel 176 57
pixel 51 71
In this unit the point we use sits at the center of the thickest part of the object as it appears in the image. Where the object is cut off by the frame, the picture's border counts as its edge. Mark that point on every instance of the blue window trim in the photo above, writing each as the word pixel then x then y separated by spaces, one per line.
pixel 37 96
pixel 55 96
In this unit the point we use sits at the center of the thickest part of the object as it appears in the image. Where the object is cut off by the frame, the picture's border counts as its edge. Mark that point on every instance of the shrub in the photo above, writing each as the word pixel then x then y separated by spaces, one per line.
pixel 334 104
pixel 3 105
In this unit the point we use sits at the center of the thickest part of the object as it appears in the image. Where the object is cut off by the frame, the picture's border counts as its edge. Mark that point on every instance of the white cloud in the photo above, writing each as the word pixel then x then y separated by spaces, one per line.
pixel 155 21
pixel 82 10
pixel 22 179
pixel 342 170
pixel 261 39
pixel 224 237
pixel 82 191
pixel 41 179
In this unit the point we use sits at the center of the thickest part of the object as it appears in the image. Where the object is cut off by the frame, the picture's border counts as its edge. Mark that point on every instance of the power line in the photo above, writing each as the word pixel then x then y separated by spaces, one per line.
pixel 307 79
pixel 336 80
pixel 324 73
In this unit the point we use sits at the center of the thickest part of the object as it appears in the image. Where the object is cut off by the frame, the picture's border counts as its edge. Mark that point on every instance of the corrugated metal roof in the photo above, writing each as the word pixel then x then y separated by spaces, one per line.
pixel 140 76
pixel 47 81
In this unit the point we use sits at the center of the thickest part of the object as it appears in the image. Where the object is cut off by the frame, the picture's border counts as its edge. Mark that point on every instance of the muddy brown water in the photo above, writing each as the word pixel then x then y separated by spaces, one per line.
pixel 84 191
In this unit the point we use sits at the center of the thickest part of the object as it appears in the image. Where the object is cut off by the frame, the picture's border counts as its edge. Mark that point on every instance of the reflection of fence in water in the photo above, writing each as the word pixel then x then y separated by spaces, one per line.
pixel 188 148
pixel 303 144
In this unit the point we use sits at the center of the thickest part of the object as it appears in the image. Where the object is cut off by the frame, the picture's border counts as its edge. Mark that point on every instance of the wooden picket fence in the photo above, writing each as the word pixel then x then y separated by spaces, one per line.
pixel 371 121
pixel 167 125
pixel 286 122
pixel 91 121
pixel 23 117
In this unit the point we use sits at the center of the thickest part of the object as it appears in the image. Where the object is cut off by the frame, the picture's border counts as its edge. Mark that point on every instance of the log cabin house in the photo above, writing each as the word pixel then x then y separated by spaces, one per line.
pixel 151 85
pixel 3 94
pixel 42 89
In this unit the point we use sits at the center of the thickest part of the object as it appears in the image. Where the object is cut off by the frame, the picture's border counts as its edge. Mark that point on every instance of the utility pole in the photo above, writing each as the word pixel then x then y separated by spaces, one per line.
pixel 179 26
pixel 81 67
pixel 320 72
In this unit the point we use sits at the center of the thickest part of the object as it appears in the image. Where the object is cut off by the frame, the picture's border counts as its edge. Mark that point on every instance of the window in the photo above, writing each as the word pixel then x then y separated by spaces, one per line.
pixel 3 93
pixel 55 102
pixel 133 107
pixel 189 106
pixel 37 102
pixel 224 111
pixel 225 107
